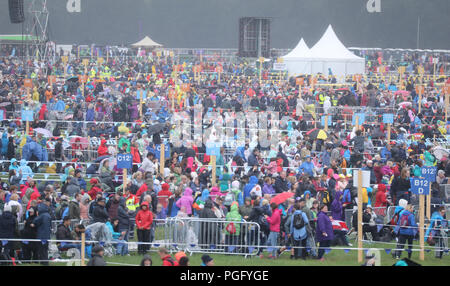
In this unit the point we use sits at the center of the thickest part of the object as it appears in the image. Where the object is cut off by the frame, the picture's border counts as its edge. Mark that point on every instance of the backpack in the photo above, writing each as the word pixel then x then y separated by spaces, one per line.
pixel 263 224
pixel 404 220
pixel 229 199
pixel 61 210
pixel 231 228
pixel 326 197
pixel 171 261
pixel 347 198
pixel 298 221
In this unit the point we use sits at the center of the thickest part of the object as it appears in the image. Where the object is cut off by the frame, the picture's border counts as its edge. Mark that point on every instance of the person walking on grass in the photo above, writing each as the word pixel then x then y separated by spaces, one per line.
pixel 297 230
pixel 324 231
pixel 406 229
pixel 274 226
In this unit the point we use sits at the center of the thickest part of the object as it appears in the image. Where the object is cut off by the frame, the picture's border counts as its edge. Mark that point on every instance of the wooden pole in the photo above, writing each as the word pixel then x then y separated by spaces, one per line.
pixel 420 100
pixel 357 122
pixel 83 246
pixel 429 204
pixel 27 124
pixel 141 100
pixel 389 133
pixel 213 161
pixel 162 159
pixel 421 226
pixel 360 214
pixel 125 178
pixel 326 123
pixel 447 90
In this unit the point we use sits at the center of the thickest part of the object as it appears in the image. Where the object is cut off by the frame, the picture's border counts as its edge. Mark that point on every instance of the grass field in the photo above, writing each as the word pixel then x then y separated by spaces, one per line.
pixel 337 257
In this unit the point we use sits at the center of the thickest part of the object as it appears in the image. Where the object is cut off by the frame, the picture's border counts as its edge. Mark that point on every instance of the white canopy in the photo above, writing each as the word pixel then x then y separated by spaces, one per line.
pixel 300 51
pixel 328 54
pixel 298 60
pixel 146 43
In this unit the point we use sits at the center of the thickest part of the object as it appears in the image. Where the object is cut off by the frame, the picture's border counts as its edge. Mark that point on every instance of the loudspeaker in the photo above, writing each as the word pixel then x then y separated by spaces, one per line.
pixel 16 11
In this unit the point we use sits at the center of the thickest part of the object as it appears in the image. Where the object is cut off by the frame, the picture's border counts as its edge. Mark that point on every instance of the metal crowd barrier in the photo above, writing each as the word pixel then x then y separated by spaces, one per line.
pixel 196 235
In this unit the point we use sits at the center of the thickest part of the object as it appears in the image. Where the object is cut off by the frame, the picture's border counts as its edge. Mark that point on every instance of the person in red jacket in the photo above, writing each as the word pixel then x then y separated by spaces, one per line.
pixel 164 195
pixel 144 220
pixel 135 153
pixel 381 201
pixel 95 188
pixel 102 149
pixel 274 222
pixel 166 258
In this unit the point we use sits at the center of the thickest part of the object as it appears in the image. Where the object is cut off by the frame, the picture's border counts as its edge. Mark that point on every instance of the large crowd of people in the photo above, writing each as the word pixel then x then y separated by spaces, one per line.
pixel 127 105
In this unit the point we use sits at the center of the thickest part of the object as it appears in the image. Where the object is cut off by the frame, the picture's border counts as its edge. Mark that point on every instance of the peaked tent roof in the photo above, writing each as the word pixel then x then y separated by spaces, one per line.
pixel 146 43
pixel 300 51
pixel 330 47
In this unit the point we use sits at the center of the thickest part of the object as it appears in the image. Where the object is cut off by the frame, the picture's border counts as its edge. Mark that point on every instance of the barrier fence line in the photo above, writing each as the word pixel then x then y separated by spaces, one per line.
pixel 161 244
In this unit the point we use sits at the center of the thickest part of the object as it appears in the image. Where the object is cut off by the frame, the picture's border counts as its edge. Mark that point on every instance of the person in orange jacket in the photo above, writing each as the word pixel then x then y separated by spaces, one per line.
pixel 144 220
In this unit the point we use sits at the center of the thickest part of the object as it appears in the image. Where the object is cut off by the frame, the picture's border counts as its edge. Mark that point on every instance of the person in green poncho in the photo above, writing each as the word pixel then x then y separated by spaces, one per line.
pixel 123 140
pixel 232 229
pixel 224 180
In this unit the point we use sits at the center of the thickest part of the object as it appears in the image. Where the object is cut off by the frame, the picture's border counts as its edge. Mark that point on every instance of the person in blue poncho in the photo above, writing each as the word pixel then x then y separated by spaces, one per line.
pixel 307 167
pixel 25 169
pixel 251 184
pixel 407 229
pixel 436 231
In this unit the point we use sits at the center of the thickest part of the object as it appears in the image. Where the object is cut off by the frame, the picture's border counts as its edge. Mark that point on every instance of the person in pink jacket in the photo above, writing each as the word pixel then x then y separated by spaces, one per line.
pixel 186 201
pixel 214 193
pixel 274 222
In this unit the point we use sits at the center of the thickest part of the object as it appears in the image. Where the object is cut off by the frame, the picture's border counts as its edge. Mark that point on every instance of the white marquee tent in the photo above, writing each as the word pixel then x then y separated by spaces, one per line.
pixel 298 60
pixel 327 54
pixel 146 43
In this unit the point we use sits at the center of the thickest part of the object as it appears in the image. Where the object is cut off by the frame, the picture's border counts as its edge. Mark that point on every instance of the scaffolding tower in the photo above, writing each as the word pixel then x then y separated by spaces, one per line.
pixel 36 25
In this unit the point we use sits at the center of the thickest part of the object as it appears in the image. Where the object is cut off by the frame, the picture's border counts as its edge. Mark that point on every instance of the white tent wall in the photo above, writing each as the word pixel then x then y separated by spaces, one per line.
pixel 300 66
pixel 327 53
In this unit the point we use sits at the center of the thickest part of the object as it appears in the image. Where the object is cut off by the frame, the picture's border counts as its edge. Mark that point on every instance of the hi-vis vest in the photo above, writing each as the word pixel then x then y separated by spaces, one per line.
pixel 131 203
pixel 334 101
pixel 321 99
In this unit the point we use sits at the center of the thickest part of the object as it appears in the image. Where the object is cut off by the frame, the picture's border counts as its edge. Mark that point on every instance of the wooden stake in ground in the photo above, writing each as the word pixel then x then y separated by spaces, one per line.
pixel 125 178
pixel 213 162
pixel 421 226
pixel 162 159
pixel 326 123
pixel 83 246
pixel 389 133
pixel 357 122
pixel 360 214
pixel 429 204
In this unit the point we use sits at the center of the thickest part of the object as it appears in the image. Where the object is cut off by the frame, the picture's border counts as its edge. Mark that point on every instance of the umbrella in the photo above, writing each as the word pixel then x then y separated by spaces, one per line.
pixel 44 132
pixel 317 134
pixel 440 152
pixel 3 104
pixel 73 79
pixel 281 198
pixel 405 103
pixel 339 225
pixel 83 141
pixel 155 128
pixel 99 159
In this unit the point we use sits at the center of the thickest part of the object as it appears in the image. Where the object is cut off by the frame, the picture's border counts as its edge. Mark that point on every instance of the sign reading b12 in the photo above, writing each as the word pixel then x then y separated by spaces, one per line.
pixel 124 161
pixel 420 186
pixel 388 118
pixel 429 173
pixel 213 149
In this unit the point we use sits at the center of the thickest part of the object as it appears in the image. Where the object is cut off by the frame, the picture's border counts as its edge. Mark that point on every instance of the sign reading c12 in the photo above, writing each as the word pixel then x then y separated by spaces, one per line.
pixel 124 161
